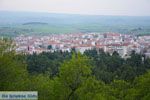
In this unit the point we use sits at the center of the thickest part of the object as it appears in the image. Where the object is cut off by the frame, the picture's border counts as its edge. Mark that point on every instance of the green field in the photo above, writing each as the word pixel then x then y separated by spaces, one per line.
pixel 49 29
pixel 15 23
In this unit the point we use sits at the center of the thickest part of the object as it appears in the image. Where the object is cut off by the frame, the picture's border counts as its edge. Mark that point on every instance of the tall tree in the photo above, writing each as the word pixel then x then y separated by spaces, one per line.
pixel 73 73
pixel 13 74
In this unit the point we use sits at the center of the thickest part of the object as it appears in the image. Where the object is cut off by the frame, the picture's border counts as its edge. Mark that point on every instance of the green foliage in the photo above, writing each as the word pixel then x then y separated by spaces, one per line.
pixel 108 68
pixel 120 88
pixel 46 63
pixel 93 89
pixel 147 63
pixel 13 75
pixel 43 85
pixel 126 72
pixel 141 88
pixel 49 47
pixel 94 75
pixel 74 72
pixel 37 64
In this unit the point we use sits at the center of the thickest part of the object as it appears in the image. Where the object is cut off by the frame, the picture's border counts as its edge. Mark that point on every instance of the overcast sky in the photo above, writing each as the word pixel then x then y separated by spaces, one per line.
pixel 94 7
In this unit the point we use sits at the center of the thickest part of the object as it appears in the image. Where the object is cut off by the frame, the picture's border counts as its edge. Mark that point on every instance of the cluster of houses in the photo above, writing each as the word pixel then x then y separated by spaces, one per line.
pixel 124 44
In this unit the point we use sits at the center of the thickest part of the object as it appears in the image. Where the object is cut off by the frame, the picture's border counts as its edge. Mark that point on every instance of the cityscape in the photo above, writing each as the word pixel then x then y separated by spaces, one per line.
pixel 124 44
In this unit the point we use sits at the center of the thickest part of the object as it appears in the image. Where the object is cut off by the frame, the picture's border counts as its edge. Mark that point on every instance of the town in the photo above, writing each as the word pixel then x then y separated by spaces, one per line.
pixel 124 44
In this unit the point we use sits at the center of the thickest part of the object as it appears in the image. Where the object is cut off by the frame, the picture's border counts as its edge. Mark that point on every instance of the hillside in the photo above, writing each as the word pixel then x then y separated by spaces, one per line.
pixel 35 23
pixel 26 23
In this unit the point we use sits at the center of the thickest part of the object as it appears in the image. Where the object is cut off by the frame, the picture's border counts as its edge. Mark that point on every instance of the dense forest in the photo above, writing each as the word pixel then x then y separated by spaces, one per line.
pixel 94 75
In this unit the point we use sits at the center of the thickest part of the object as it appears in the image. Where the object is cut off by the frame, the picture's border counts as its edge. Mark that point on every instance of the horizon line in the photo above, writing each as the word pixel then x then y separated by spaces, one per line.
pixel 72 13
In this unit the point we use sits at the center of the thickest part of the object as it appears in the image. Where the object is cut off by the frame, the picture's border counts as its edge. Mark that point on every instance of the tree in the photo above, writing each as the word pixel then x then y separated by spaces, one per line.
pixel 73 73
pixel 37 63
pixel 115 53
pixel 126 72
pixel 101 73
pixel 43 85
pixel 93 89
pixel 13 74
pixel 91 53
pixel 140 88
pixel 120 88
pixel 49 47
pixel 147 63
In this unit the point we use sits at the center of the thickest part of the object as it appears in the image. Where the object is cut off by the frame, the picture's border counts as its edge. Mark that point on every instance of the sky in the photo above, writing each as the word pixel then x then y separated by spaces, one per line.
pixel 91 7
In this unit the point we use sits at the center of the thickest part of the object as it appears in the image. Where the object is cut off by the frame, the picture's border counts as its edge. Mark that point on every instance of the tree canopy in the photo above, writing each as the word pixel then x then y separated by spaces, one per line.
pixel 94 75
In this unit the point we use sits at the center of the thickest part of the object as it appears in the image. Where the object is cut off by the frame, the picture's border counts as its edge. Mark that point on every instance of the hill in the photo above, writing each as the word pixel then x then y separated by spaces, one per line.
pixel 26 23
pixel 35 23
